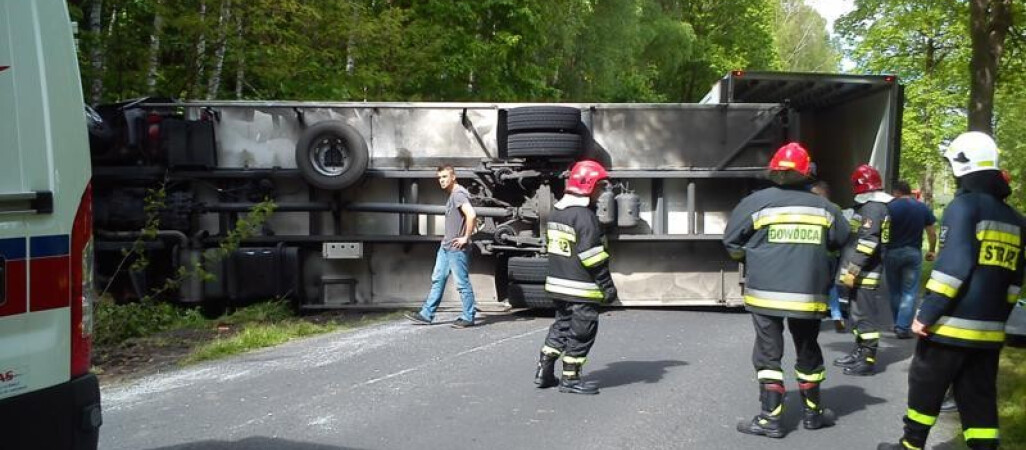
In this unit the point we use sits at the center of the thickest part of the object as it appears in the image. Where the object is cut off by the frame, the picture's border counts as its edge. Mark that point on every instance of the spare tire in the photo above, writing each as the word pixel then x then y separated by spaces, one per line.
pixel 530 296
pixel 331 155
pixel 543 145
pixel 543 118
pixel 527 270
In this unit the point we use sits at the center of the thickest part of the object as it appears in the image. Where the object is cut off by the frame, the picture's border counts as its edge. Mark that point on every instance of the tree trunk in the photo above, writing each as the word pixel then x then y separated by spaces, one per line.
pixel 201 49
pixel 222 46
pixel 351 41
pixel 151 73
pixel 96 53
pixel 989 21
pixel 240 68
pixel 926 187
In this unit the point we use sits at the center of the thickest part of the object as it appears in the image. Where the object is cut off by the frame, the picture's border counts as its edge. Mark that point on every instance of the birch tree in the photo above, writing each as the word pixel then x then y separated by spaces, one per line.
pixel 96 52
pixel 154 59
pixel 223 22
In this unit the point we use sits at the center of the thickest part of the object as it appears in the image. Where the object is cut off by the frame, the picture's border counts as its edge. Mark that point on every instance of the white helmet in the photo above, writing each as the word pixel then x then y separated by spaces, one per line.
pixel 972 152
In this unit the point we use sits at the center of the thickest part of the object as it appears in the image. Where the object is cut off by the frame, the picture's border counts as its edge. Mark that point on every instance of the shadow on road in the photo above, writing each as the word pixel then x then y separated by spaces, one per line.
pixel 847 399
pixel 492 318
pixel 253 443
pixel 843 400
pixel 629 372
pixel 955 443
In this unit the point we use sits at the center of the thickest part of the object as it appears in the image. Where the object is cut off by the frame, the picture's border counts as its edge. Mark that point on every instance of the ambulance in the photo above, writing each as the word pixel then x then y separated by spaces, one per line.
pixel 48 397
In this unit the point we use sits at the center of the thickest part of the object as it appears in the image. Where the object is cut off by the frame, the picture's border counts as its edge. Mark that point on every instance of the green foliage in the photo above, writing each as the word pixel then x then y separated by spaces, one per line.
pixel 802 39
pixel 265 331
pixel 265 312
pixel 257 336
pixel 1011 391
pixel 926 44
pixel 153 203
pixel 429 50
pixel 116 323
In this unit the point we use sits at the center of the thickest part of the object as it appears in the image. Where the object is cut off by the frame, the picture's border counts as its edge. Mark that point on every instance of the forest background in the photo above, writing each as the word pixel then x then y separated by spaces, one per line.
pixel 962 61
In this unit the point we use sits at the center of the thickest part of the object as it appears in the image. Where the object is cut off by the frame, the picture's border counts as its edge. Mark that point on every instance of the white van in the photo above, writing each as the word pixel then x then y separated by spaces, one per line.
pixel 48 398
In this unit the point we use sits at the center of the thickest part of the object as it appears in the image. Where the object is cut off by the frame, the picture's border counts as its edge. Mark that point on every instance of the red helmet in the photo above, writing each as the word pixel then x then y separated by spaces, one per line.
pixel 584 176
pixel 865 178
pixel 792 156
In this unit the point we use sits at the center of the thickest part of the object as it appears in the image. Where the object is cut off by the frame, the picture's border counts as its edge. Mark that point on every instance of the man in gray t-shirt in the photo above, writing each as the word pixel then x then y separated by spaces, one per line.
pixel 453 255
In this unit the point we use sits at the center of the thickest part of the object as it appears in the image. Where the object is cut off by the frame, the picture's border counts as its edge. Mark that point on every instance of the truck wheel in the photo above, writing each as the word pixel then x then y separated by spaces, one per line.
pixel 527 270
pixel 530 296
pixel 543 145
pixel 331 155
pixel 543 118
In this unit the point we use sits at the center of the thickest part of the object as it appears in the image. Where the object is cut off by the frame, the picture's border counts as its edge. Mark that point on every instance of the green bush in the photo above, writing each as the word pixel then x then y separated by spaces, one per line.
pixel 1011 392
pixel 115 323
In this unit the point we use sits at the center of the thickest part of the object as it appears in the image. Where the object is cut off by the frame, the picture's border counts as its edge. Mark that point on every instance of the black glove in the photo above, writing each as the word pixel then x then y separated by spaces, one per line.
pixel 609 295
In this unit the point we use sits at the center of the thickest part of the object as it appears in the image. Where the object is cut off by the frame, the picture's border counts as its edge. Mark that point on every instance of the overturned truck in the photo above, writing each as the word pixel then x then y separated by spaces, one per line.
pixel 358 210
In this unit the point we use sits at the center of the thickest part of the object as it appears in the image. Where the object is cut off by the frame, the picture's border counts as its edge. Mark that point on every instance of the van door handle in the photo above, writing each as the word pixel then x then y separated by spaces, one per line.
pixel 38 202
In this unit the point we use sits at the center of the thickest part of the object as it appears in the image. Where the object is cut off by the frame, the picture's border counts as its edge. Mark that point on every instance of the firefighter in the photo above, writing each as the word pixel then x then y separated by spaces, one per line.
pixel 861 269
pixel 578 280
pixel 971 291
pixel 786 226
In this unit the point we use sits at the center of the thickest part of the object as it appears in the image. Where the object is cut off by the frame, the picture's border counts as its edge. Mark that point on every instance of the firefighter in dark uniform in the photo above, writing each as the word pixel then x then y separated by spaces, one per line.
pixel 578 280
pixel 861 269
pixel 780 227
pixel 971 291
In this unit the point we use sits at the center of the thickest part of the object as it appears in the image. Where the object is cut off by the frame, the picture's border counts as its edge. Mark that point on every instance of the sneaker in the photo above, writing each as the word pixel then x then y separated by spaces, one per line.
pixel 418 319
pixel 460 323
pixel 839 326
pixel 902 334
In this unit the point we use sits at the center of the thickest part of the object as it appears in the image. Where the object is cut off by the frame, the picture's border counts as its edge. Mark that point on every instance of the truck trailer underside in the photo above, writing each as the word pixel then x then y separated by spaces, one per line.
pixel 358 214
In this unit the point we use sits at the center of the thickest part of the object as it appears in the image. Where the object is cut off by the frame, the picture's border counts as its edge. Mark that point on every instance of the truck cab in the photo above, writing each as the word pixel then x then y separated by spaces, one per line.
pixel 48 397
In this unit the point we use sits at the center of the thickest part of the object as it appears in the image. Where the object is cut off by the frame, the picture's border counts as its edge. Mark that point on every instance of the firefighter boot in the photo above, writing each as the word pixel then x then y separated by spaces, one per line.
pixel 815 416
pixel 913 439
pixel 850 358
pixel 865 366
pixel 571 382
pixel 767 423
pixel 545 376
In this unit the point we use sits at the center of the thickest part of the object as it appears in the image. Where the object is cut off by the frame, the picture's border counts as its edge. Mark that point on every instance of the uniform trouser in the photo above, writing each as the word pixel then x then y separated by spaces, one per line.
pixel 573 333
pixel 769 348
pixel 863 305
pixel 972 373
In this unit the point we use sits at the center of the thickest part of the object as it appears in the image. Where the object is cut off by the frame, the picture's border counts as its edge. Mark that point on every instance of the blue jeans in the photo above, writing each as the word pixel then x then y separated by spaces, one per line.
pixel 902 267
pixel 456 262
pixel 835 303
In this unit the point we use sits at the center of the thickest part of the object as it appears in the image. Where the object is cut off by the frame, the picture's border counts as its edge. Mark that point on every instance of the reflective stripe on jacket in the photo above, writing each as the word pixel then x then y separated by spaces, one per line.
pixel 785 237
pixel 865 248
pixel 578 259
pixel 978 274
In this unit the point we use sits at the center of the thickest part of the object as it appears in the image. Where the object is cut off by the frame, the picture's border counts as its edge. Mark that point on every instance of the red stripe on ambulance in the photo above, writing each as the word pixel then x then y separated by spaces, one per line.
pixel 15 282
pixel 50 283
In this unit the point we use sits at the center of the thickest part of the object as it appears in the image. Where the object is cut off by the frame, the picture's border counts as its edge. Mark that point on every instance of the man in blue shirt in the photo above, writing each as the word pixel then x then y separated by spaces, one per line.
pixel 904 259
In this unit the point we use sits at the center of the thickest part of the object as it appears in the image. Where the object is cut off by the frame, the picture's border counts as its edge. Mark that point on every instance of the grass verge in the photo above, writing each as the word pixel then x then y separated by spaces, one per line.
pixel 1011 392
pixel 142 338
pixel 259 335
pixel 256 336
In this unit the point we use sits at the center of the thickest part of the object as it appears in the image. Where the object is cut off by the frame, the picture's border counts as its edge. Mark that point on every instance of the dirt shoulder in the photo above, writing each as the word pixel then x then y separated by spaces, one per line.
pixel 138 357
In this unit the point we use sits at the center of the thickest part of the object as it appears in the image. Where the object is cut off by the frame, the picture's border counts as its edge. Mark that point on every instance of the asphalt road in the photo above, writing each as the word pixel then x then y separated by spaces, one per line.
pixel 669 379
